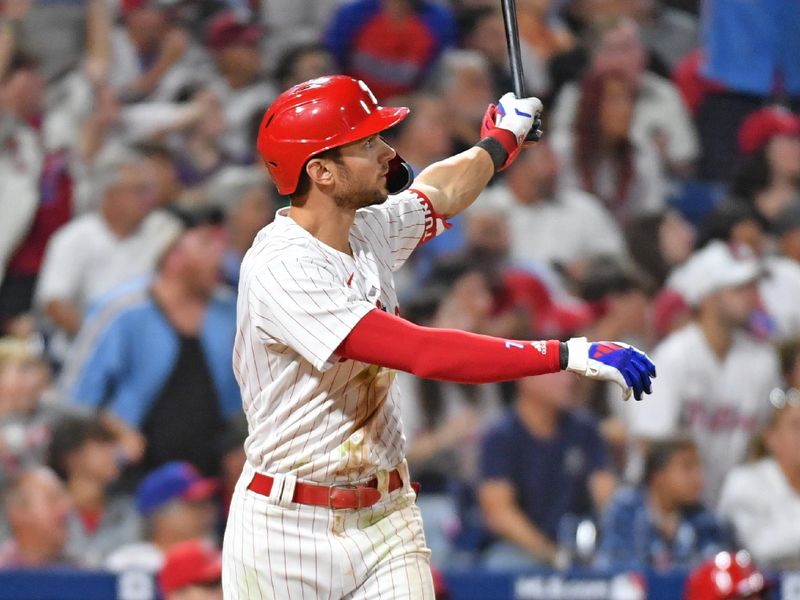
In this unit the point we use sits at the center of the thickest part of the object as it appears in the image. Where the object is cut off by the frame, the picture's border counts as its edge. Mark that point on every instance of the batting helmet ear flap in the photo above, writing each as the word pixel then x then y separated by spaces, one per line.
pixel 400 175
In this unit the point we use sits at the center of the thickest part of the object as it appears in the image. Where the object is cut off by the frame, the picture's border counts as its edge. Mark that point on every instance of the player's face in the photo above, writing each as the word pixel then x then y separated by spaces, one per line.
pixel 361 173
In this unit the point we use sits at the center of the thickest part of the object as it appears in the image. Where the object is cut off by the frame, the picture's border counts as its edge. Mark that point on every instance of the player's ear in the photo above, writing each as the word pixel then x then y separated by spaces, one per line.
pixel 318 170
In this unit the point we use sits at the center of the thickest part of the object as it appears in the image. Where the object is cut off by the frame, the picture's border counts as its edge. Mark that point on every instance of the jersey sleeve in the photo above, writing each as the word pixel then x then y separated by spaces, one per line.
pixel 306 306
pixel 407 220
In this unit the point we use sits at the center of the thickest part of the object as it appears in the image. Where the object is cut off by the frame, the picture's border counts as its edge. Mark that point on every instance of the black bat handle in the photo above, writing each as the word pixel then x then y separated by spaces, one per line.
pixel 512 41
pixel 515 59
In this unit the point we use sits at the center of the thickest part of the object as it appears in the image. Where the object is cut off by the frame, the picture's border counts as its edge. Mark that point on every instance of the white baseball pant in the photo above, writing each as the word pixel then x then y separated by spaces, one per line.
pixel 274 549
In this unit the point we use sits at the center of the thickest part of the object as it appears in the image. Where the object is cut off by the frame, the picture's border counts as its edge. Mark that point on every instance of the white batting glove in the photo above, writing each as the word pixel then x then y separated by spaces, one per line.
pixel 508 122
pixel 517 115
pixel 626 366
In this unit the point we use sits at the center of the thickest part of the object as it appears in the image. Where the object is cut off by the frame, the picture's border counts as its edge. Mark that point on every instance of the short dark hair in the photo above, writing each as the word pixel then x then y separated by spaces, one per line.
pixel 21 60
pixel 304 181
pixel 71 434
pixel 661 452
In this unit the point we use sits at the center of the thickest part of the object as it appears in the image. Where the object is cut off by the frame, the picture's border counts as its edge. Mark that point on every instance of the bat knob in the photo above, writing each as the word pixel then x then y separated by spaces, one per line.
pixel 535 133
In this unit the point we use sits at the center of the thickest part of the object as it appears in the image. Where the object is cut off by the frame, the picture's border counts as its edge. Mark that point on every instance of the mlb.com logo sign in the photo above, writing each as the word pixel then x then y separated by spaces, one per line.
pixel 556 587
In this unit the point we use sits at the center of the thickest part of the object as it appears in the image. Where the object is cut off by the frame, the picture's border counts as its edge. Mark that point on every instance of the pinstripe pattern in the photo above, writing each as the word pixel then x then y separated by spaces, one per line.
pixel 321 419
pixel 309 414
pixel 306 552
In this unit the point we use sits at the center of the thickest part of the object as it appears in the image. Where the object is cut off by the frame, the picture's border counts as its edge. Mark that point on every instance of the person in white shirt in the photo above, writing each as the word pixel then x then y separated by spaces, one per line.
pixel 99 250
pixel 548 223
pixel 762 499
pixel 238 81
pixel 714 378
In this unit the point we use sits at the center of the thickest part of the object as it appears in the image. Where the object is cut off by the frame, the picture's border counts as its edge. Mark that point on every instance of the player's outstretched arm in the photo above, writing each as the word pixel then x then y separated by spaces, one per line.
pixel 462 357
pixel 454 183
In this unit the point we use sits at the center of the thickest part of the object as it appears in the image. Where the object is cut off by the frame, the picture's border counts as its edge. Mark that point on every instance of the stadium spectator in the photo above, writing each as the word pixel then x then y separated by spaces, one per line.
pixel 423 138
pixel 662 524
pixel 726 576
pixel 177 506
pixel 769 176
pixel 749 50
pixel 36 507
pixel 390 44
pixel 542 462
pixel 481 29
pixel 151 56
pixel 25 420
pixel 556 225
pixel 464 81
pixel 245 199
pixel 443 421
pixel 739 223
pixel 786 228
pixel 762 499
pixel 669 33
pixel 713 375
pixel 192 571
pixel 602 157
pixel 674 242
pixel 179 372
pixel 83 453
pixel 238 81
pixel 97 251
pixel 659 115
pixel 303 62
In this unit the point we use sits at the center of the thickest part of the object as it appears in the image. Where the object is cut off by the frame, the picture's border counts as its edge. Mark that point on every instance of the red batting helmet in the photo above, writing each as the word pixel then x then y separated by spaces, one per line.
pixel 315 116
pixel 727 576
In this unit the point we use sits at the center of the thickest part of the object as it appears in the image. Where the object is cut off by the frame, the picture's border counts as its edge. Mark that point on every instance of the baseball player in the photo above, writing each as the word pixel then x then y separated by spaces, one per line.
pixel 325 507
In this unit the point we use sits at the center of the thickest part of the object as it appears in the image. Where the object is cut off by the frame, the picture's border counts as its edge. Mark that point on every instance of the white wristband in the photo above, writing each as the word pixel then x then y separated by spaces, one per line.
pixel 578 355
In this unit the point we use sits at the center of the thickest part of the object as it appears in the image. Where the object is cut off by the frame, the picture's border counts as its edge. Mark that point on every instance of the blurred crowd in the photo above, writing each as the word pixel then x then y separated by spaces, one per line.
pixel 661 208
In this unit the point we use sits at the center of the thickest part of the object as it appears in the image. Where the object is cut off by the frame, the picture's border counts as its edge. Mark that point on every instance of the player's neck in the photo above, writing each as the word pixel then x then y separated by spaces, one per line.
pixel 718 336
pixel 329 224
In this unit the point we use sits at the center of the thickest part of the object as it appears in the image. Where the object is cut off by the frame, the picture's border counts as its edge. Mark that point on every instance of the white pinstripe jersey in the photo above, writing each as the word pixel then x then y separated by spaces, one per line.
pixel 310 413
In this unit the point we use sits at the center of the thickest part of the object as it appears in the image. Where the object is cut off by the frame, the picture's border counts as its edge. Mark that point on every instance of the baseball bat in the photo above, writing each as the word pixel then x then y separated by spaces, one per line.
pixel 515 59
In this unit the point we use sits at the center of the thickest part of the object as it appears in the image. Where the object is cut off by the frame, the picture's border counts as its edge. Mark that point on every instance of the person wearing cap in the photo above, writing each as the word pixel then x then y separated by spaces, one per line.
pixel 726 576
pixel 84 454
pixel 177 504
pixel 192 571
pixel 661 524
pixel 769 141
pixel 238 79
pixel 160 355
pixel 716 375
pixel 762 499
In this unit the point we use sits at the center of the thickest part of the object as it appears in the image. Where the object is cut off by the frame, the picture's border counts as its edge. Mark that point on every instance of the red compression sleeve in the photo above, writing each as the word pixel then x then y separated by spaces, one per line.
pixel 446 354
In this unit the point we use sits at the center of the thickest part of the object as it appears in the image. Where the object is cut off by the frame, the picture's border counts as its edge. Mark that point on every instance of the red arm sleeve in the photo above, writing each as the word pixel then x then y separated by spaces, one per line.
pixel 446 354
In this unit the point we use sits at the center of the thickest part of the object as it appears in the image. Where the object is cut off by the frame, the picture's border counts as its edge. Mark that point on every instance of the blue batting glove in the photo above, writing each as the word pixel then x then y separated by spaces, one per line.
pixel 626 366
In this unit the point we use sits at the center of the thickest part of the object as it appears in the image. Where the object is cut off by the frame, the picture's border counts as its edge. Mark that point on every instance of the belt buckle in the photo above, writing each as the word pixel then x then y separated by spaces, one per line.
pixel 342 486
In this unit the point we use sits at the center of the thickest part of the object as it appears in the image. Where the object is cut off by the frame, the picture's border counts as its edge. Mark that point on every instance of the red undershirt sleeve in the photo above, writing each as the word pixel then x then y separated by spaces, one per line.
pixel 446 354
